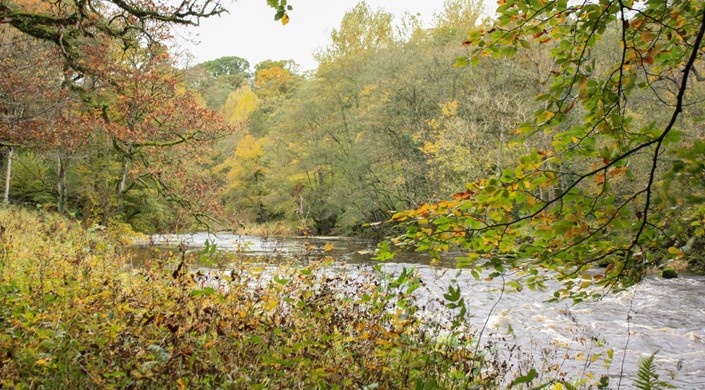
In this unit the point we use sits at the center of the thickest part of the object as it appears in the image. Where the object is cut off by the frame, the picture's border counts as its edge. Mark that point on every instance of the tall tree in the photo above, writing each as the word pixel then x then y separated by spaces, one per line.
pixel 215 80
pixel 362 29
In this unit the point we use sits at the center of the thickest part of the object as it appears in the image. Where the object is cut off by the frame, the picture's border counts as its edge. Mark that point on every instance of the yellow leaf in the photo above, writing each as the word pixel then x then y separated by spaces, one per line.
pixel 674 251
pixel 271 304
pixel 600 178
pixel 285 20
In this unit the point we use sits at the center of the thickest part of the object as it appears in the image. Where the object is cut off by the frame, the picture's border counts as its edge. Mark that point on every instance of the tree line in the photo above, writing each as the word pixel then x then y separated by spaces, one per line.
pixel 575 132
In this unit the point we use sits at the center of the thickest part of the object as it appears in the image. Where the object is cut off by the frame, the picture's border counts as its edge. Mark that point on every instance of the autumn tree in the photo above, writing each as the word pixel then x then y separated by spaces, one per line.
pixel 609 200
pixel 91 81
pixel 215 80
pixel 74 26
pixel 362 29
pixel 150 120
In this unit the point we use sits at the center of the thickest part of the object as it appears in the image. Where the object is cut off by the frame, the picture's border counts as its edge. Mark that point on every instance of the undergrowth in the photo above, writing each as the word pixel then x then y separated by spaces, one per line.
pixel 77 312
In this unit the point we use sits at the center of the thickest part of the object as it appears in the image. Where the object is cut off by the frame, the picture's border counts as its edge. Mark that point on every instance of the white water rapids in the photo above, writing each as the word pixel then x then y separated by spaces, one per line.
pixel 658 315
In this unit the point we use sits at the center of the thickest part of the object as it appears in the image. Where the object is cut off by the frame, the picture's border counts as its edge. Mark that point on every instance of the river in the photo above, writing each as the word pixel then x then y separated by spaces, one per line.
pixel 661 315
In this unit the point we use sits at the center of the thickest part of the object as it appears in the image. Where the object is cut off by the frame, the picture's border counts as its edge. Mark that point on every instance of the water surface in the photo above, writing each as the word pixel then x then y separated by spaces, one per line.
pixel 661 315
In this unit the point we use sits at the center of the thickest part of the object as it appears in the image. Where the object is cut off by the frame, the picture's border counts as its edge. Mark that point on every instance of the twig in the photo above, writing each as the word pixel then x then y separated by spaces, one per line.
pixel 626 344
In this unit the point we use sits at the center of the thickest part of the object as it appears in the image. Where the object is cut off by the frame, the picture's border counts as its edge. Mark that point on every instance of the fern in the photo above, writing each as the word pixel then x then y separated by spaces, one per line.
pixel 647 378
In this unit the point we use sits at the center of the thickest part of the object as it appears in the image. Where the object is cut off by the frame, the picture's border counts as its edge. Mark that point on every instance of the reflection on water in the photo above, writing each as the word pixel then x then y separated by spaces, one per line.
pixel 661 315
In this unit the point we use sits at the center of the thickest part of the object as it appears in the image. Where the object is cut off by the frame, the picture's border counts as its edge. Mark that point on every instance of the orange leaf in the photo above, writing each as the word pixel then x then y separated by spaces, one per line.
pixel 600 178
pixel 570 107
pixel 645 36
pixel 617 171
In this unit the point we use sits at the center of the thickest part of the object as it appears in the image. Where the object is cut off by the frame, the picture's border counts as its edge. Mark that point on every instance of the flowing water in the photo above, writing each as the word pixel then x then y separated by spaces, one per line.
pixel 661 315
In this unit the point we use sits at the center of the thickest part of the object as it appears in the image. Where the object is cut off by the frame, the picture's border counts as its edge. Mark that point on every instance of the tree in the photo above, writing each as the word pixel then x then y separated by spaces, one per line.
pixel 246 171
pixel 361 29
pixel 73 26
pixel 239 105
pixel 228 66
pixel 92 80
pixel 584 199
pixel 215 80
pixel 149 118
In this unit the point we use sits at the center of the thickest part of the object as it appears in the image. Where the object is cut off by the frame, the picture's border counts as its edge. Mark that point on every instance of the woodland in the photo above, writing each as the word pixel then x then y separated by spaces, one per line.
pixel 552 139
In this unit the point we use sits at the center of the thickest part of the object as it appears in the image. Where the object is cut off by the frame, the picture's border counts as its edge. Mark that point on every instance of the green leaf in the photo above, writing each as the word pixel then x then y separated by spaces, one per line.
pixel 461 62
pixel 205 291
pixel 530 376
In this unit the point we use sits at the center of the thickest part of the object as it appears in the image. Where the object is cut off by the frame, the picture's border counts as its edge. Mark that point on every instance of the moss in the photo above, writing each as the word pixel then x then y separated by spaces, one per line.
pixel 669 273
pixel 604 263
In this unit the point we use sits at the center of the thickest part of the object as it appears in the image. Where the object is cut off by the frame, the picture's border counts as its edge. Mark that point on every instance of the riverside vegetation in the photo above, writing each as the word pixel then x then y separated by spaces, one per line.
pixel 574 140
pixel 75 313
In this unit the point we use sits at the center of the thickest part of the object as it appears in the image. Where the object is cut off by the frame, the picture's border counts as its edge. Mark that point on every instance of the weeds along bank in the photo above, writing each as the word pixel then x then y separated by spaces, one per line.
pixel 74 315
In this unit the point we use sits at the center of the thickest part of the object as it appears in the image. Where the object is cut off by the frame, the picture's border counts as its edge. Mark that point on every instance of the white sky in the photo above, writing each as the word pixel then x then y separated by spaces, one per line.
pixel 250 32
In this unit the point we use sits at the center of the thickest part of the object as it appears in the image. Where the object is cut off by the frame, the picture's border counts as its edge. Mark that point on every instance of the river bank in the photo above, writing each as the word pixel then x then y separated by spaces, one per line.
pixel 661 315
pixel 75 313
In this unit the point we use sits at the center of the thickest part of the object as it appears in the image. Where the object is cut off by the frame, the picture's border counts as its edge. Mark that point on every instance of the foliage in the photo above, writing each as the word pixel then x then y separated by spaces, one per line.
pixel 594 194
pixel 74 27
pixel 231 65
pixel 361 30
pixel 239 105
pixel 647 378
pixel 77 311
pixel 281 7
pixel 216 80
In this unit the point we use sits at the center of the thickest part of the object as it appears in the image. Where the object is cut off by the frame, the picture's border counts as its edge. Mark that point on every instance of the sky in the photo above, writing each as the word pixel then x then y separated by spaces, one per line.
pixel 249 30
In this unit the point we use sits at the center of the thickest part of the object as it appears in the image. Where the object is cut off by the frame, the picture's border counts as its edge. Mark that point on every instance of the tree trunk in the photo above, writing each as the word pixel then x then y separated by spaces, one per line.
pixel 123 182
pixel 106 190
pixel 61 185
pixel 8 171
